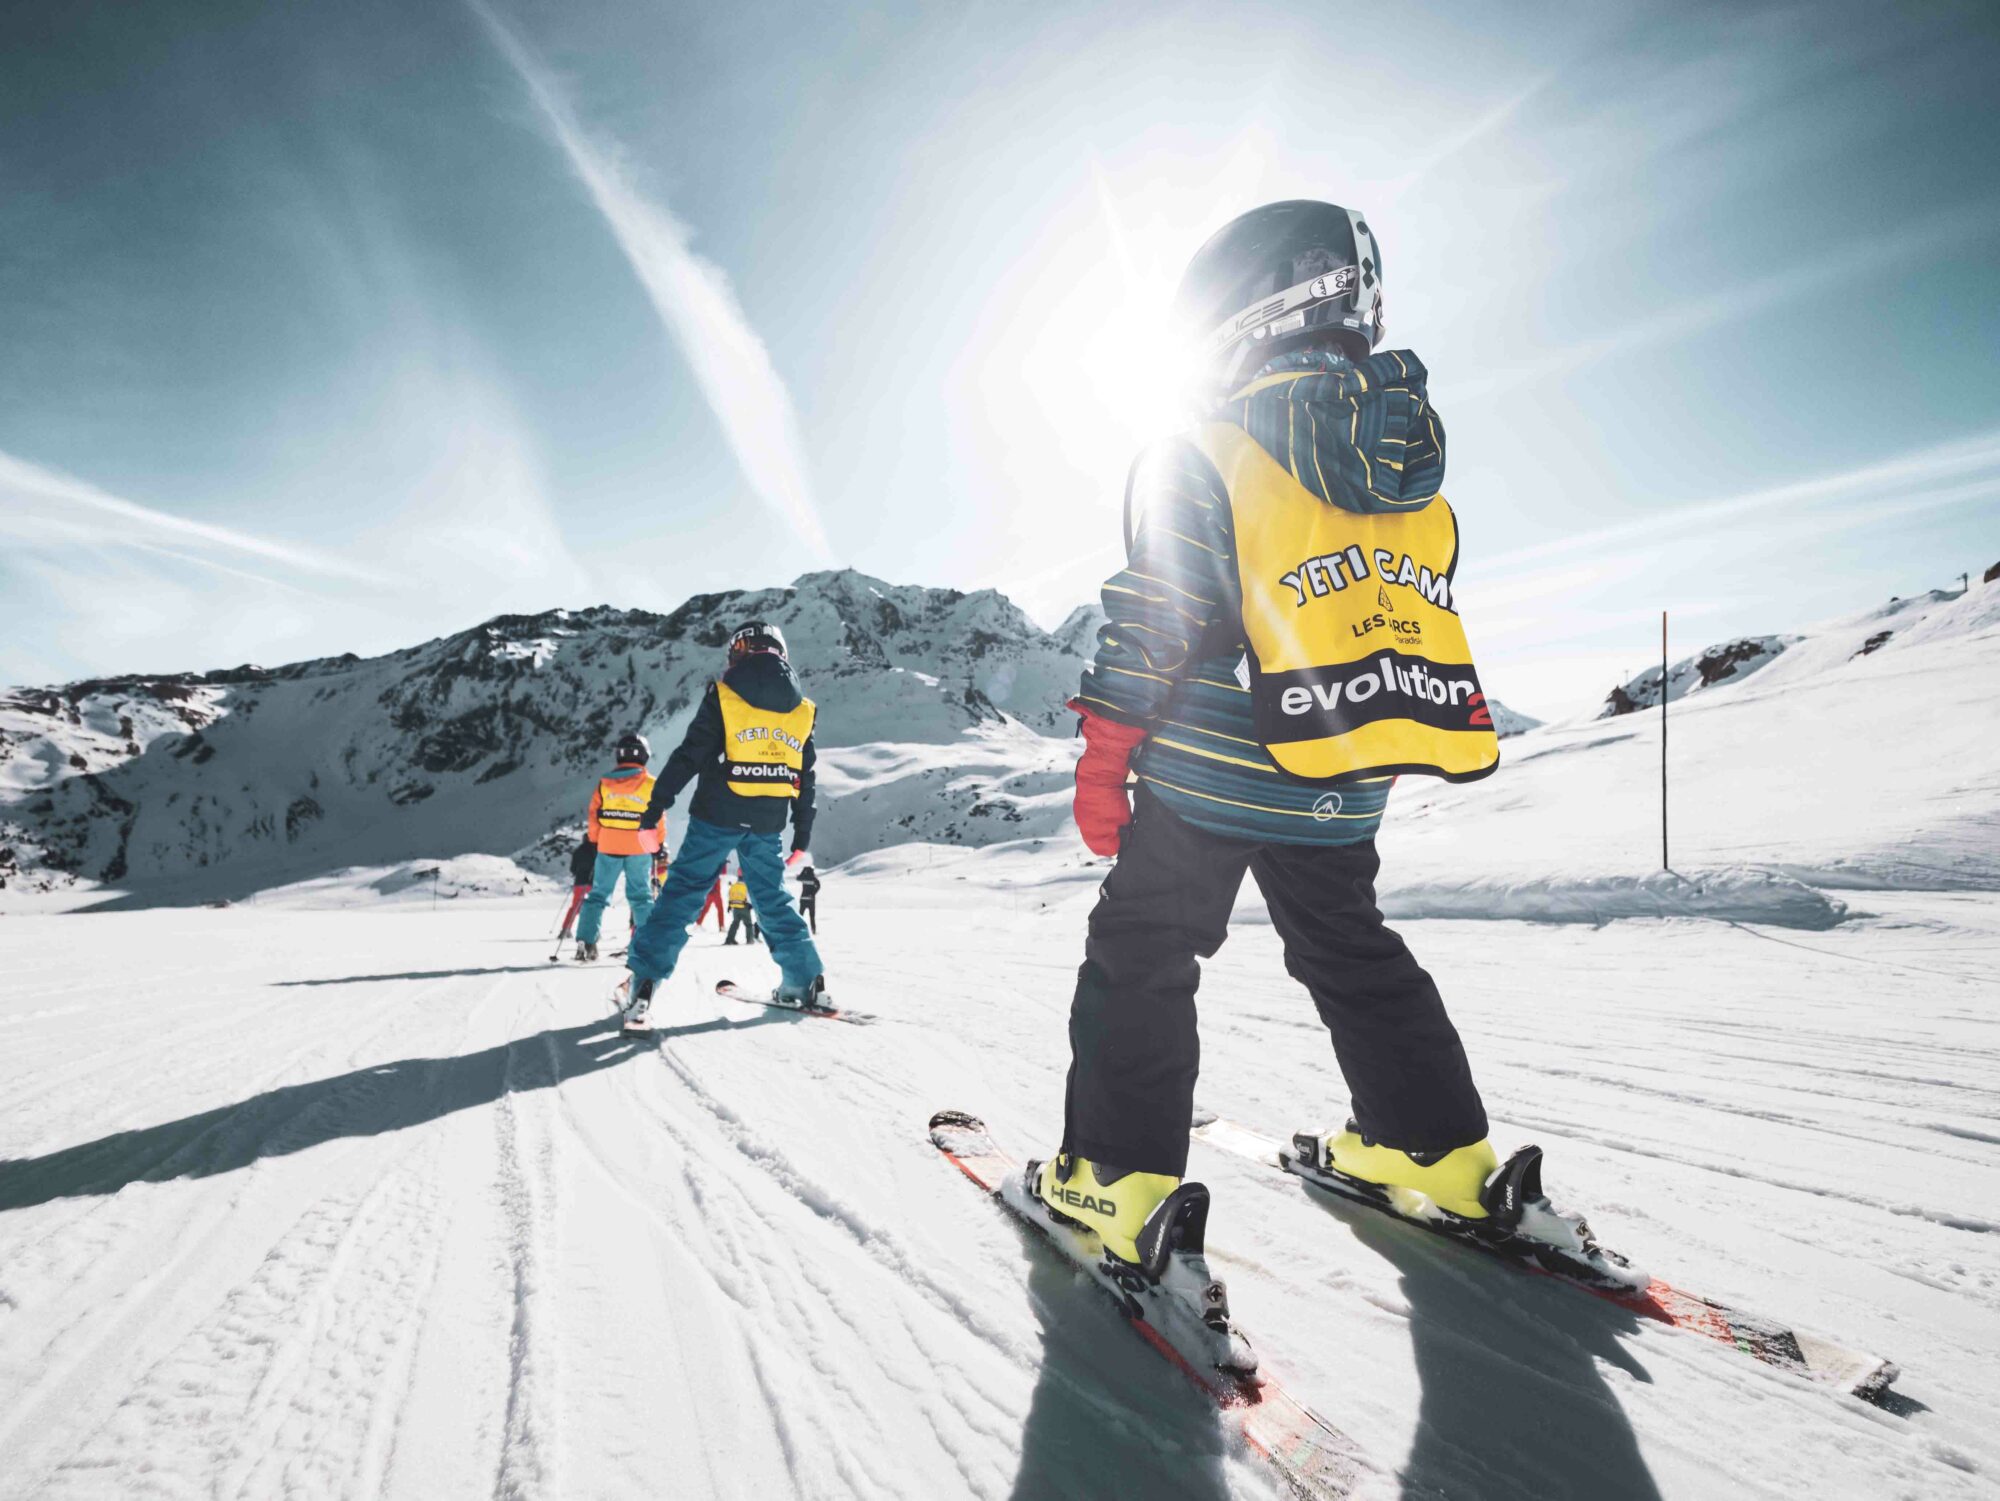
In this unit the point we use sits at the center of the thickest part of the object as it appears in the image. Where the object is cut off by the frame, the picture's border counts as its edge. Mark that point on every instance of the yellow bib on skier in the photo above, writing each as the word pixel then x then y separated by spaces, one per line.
pixel 1359 666
pixel 763 752
pixel 621 801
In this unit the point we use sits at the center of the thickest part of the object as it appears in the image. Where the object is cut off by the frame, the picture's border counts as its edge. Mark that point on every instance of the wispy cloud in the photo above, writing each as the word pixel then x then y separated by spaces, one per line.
pixel 1683 319
pixel 1945 474
pixel 694 300
pixel 41 505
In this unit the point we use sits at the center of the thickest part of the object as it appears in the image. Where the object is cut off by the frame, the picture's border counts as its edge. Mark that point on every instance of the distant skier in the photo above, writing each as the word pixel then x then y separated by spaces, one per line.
pixel 582 867
pixel 751 747
pixel 715 904
pixel 1281 644
pixel 741 918
pixel 809 897
pixel 624 848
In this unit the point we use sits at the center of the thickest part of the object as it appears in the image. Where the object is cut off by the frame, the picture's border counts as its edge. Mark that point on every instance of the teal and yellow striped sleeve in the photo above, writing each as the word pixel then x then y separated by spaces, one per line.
pixel 1178 578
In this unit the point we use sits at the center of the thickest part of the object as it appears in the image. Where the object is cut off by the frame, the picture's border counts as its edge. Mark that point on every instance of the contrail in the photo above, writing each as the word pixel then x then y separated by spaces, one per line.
pixel 695 302
pixel 23 484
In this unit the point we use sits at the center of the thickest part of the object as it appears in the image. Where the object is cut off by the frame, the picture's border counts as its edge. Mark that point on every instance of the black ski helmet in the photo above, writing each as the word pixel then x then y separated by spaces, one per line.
pixel 633 749
pixel 1276 277
pixel 756 636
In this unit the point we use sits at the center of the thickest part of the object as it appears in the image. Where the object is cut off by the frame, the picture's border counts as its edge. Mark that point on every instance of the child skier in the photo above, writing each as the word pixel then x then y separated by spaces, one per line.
pixel 713 904
pixel 624 849
pixel 809 897
pixel 741 919
pixel 750 746
pixel 582 870
pixel 1280 645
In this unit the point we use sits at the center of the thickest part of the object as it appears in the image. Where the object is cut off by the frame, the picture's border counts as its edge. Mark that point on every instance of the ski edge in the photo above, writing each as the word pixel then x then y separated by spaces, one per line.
pixel 1313 1459
pixel 1813 1357
pixel 730 990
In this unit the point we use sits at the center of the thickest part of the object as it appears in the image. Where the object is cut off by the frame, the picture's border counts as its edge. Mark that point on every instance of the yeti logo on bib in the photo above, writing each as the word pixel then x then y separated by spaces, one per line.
pixel 1350 683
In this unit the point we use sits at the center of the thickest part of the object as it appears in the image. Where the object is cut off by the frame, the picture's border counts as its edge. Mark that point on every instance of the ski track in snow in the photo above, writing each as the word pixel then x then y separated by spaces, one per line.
pixel 429 1227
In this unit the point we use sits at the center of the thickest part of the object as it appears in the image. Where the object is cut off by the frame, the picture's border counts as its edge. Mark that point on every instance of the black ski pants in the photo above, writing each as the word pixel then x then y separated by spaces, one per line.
pixel 1133 1044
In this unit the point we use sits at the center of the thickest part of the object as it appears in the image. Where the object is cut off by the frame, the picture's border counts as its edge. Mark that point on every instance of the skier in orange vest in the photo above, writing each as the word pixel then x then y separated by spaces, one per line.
pixel 623 848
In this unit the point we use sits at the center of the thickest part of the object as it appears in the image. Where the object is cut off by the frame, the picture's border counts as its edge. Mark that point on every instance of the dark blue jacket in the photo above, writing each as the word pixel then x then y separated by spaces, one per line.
pixel 766 681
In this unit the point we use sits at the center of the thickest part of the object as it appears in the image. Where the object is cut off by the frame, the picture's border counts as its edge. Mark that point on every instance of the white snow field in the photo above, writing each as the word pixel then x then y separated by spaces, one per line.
pixel 346 1191
pixel 371 1201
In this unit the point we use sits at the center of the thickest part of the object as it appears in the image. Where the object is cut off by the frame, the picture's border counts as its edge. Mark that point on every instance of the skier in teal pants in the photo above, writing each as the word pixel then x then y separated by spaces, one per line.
pixel 750 753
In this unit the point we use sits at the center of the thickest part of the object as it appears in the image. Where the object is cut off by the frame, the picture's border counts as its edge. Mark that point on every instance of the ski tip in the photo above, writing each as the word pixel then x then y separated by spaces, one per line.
pixel 955 1120
pixel 725 987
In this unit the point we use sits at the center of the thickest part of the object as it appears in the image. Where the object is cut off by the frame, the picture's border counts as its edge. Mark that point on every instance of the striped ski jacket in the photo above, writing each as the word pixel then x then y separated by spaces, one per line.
pixel 1170 656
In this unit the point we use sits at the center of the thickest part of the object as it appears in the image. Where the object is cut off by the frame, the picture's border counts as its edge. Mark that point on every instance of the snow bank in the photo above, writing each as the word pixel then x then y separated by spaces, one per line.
pixel 1739 894
pixel 1863 757
pixel 462 876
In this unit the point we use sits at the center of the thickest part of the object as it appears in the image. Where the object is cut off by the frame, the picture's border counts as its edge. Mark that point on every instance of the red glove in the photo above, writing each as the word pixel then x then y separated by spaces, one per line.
pixel 1102 806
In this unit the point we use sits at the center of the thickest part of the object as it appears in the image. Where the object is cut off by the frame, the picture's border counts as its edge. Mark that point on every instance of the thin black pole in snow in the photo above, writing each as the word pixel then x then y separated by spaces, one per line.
pixel 1665 863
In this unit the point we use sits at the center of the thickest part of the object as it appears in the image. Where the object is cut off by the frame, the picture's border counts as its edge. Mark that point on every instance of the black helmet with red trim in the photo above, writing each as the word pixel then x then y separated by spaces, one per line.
pixel 757 636
pixel 1279 278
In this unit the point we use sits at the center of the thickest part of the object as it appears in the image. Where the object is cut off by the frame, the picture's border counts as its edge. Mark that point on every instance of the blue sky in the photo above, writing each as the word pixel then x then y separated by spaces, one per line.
pixel 339 327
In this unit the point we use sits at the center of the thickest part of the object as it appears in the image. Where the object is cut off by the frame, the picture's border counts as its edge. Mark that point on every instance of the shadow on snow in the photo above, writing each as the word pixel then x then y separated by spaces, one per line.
pixel 426 974
pixel 1513 1400
pixel 370 1101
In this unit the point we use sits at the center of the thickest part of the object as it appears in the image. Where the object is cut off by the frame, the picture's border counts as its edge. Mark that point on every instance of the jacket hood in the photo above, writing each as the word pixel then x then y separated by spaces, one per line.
pixel 767 681
pixel 1363 437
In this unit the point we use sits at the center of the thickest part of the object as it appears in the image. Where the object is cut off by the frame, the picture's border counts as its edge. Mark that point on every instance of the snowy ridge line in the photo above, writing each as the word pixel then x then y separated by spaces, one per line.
pixel 753 1227
pixel 301 1267
pixel 1815 1359
pixel 527 1466
pixel 613 1174
pixel 1314 1460
pixel 1947 1219
pixel 885 1248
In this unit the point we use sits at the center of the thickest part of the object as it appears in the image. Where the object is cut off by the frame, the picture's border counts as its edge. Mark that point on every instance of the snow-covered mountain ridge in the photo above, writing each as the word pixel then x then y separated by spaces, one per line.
pixel 205 786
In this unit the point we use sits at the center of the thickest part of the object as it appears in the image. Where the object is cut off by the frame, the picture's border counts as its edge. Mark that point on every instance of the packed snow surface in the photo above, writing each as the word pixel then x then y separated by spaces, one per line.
pixel 374 1202
pixel 344 1190
pixel 1841 766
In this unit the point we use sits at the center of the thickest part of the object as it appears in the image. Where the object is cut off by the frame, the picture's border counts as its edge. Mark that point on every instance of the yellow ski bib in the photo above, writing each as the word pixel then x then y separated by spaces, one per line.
pixel 621 801
pixel 762 752
pixel 1359 666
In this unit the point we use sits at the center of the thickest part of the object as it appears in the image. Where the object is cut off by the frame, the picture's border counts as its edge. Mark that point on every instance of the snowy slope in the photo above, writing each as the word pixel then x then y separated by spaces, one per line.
pixel 382 1208
pixel 345 1191
pixel 1864 757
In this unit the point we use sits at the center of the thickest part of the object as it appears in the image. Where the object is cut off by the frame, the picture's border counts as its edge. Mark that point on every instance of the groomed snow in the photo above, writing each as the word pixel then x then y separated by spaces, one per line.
pixel 372 1202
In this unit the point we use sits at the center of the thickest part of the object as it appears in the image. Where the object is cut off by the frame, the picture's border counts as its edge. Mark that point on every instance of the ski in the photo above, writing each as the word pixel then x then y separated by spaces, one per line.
pixel 1183 1313
pixel 1601 1273
pixel 735 992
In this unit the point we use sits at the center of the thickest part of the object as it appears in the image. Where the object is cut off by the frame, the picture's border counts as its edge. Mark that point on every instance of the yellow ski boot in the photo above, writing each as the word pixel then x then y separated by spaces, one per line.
pixel 1453 1180
pixel 1114 1203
